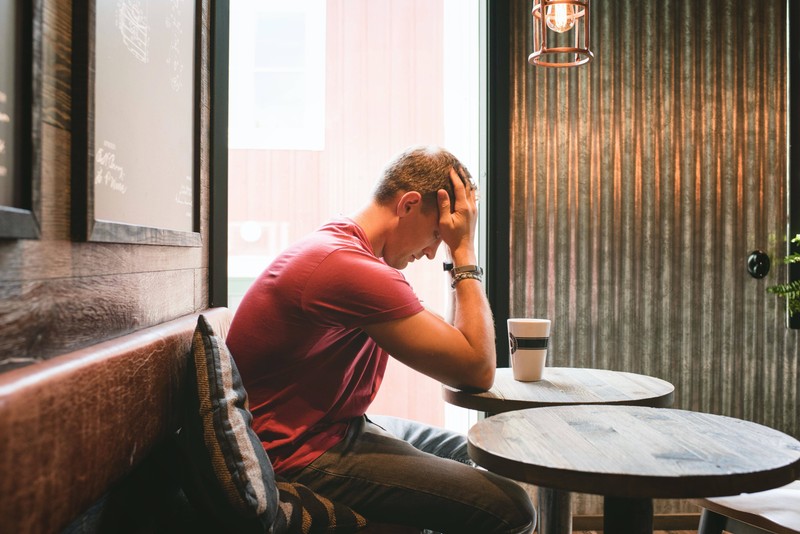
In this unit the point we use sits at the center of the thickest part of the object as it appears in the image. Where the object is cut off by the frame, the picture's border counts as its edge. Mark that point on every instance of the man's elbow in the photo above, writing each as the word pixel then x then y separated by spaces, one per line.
pixel 488 378
pixel 481 380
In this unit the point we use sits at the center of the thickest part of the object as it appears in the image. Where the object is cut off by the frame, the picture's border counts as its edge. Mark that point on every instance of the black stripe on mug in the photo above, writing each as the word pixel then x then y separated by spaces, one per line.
pixel 527 343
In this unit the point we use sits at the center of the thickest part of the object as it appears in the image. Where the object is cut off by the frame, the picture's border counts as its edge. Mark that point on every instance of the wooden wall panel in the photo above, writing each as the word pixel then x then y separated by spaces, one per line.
pixel 56 54
pixel 65 314
pixel 58 295
pixel 54 221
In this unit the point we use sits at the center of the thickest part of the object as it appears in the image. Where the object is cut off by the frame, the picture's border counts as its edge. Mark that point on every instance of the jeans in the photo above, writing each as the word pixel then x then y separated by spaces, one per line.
pixel 402 472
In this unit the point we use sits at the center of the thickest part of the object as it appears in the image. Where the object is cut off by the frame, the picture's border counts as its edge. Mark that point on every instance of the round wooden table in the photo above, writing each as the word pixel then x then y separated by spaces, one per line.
pixel 564 386
pixel 632 454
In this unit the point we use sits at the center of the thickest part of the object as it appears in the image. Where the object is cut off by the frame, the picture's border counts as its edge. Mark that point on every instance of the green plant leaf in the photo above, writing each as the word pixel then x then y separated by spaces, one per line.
pixel 790 291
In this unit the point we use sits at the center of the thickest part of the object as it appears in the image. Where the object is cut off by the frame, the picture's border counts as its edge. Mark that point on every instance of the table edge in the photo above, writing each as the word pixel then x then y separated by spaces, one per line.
pixel 704 485
pixel 494 405
pixel 629 486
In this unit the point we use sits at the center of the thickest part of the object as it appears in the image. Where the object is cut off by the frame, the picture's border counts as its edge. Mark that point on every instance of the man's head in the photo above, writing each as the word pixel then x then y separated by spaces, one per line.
pixel 425 169
pixel 408 190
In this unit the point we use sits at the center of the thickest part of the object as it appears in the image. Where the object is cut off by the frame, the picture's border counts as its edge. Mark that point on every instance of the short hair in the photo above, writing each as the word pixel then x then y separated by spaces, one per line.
pixel 425 169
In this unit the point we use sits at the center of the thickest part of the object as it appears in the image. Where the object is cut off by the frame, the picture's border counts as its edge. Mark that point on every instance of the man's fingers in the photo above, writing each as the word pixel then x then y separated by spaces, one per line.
pixel 458 182
pixel 463 199
pixel 444 204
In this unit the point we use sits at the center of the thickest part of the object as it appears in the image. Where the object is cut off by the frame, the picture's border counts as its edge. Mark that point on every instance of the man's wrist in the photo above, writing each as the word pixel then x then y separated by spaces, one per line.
pixel 457 269
pixel 463 272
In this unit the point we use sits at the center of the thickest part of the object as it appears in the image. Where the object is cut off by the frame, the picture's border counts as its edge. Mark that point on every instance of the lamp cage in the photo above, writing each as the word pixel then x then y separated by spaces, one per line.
pixel 560 33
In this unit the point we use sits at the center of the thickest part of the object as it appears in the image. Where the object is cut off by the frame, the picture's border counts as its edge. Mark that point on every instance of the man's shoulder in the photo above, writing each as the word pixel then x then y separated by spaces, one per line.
pixel 344 230
pixel 342 242
pixel 330 256
pixel 355 262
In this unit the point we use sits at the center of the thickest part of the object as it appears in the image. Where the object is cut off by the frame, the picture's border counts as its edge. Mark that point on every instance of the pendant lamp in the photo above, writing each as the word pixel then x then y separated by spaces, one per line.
pixel 560 33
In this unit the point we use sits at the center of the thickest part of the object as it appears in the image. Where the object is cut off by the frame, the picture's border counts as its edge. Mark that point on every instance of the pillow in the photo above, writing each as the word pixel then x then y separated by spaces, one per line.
pixel 228 477
pixel 304 511
pixel 227 474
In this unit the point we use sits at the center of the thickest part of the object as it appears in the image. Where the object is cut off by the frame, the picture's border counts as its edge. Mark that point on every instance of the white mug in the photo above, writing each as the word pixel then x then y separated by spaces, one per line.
pixel 527 341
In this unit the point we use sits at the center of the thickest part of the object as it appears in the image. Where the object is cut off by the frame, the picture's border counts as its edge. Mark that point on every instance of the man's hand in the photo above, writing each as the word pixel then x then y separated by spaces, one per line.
pixel 457 223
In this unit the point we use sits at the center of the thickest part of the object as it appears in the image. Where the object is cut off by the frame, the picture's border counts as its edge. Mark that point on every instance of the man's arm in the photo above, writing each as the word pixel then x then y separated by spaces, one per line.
pixel 463 354
pixel 462 359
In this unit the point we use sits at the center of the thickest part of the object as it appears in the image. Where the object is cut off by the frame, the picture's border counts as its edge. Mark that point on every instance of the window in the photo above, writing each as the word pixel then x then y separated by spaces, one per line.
pixel 394 73
pixel 277 75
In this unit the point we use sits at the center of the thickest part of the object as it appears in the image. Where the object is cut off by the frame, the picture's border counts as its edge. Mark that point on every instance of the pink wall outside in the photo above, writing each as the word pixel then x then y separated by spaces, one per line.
pixel 383 93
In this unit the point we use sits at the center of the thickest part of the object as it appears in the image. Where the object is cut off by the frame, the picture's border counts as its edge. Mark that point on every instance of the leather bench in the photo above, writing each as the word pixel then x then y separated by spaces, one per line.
pixel 84 437
pixel 88 438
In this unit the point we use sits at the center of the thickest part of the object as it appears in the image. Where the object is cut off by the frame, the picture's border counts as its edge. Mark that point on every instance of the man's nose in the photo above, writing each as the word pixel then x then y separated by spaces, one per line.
pixel 430 252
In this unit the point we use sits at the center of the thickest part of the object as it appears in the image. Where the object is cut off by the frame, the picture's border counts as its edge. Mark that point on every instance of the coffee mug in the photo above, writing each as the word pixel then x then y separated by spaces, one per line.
pixel 527 341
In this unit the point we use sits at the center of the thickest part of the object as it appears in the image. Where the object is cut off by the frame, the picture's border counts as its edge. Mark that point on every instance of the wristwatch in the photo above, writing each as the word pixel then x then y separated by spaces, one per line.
pixel 454 271
pixel 462 273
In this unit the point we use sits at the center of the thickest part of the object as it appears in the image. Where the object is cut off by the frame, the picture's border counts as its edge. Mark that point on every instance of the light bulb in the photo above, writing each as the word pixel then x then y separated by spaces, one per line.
pixel 560 17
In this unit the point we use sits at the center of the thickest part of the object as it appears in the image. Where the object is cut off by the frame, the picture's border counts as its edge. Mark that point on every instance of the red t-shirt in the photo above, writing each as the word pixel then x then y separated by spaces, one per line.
pixel 306 364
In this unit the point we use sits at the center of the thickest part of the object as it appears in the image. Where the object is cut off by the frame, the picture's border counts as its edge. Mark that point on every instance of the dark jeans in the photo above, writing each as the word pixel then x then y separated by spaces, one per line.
pixel 402 472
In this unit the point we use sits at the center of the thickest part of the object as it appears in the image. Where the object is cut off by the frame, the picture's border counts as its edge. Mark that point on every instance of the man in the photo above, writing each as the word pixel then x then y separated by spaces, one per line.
pixel 312 336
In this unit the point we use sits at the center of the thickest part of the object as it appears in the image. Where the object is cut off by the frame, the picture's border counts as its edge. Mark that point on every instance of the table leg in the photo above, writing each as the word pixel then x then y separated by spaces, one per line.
pixel 628 516
pixel 555 511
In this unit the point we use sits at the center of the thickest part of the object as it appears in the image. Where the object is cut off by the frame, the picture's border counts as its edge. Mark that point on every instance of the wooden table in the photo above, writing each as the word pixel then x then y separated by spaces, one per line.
pixel 632 454
pixel 564 386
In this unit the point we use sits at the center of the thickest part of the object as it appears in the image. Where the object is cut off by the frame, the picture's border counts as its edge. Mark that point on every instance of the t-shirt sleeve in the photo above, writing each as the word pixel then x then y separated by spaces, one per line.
pixel 351 288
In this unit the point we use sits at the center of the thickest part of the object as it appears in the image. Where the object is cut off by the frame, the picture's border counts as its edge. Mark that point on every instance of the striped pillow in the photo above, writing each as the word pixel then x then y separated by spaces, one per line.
pixel 303 511
pixel 228 475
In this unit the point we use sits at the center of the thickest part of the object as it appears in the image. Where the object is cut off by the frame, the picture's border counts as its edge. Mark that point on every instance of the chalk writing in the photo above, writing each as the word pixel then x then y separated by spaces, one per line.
pixel 107 172
pixel 132 24
pixel 4 119
pixel 184 196
pixel 174 61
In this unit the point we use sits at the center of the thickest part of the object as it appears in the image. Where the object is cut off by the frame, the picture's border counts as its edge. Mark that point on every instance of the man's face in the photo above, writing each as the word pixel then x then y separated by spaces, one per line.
pixel 417 237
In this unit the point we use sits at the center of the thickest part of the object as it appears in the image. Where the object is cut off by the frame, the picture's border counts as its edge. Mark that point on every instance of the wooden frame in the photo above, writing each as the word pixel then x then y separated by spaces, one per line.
pixel 498 269
pixel 218 241
pixel 793 143
pixel 19 217
pixel 146 156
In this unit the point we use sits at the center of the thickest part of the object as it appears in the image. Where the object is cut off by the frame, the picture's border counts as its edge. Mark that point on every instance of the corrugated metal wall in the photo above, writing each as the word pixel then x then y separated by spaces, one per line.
pixel 640 184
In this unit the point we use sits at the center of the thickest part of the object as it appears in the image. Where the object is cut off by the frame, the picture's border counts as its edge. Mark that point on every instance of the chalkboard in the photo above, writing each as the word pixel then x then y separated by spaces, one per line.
pixel 18 168
pixel 137 159
pixel 7 96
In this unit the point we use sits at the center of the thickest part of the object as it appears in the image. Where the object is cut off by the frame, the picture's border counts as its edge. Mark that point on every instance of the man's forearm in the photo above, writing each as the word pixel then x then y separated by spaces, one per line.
pixel 473 317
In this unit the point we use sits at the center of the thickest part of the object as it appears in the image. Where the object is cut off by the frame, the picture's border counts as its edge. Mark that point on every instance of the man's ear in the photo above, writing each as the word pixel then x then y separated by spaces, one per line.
pixel 408 202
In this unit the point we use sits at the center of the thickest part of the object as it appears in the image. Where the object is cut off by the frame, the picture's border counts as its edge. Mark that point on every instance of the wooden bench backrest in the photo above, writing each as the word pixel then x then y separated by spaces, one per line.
pixel 72 426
